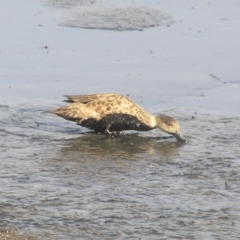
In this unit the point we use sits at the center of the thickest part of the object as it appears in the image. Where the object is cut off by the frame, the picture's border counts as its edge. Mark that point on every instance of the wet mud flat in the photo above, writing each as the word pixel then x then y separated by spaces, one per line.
pixel 60 182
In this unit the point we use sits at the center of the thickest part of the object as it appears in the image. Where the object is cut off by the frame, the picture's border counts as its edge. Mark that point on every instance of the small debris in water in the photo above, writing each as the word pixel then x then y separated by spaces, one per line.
pixel 214 76
pixel 44 47
pixel 227 186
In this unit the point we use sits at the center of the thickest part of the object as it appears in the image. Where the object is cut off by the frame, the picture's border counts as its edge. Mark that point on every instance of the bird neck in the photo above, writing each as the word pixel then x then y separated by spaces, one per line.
pixel 159 122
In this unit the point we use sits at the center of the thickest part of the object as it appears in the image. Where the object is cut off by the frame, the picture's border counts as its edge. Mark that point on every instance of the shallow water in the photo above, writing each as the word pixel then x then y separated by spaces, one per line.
pixel 58 181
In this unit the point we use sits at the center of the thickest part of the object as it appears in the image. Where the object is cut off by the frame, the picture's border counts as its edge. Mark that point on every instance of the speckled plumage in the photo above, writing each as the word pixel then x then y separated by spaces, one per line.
pixel 110 112
pixel 99 106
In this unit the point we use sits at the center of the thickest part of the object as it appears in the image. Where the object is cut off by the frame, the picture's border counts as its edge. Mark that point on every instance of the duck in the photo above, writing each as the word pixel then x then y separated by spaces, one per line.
pixel 111 113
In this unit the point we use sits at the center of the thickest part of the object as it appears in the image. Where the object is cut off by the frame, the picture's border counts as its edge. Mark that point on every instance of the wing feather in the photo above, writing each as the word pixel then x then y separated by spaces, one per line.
pixel 90 97
pixel 100 105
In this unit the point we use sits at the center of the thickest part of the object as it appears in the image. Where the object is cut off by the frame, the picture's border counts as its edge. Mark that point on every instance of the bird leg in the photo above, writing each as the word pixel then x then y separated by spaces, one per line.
pixel 115 133
pixel 107 132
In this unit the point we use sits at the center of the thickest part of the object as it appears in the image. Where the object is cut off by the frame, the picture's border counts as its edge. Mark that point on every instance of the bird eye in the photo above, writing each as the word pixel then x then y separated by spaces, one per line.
pixel 170 124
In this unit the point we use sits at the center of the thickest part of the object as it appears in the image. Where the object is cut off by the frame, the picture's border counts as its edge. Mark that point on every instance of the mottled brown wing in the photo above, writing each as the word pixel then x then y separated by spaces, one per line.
pixel 90 97
pixel 98 106
pixel 106 104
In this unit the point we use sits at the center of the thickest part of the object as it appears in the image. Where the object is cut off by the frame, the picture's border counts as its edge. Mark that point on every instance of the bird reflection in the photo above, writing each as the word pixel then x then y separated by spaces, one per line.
pixel 131 146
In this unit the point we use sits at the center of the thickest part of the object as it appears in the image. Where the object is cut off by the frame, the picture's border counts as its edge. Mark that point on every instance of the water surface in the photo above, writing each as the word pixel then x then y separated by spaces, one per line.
pixel 58 181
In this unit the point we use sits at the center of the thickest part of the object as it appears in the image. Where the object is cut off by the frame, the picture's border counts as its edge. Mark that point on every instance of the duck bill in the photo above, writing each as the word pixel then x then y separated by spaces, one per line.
pixel 179 137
